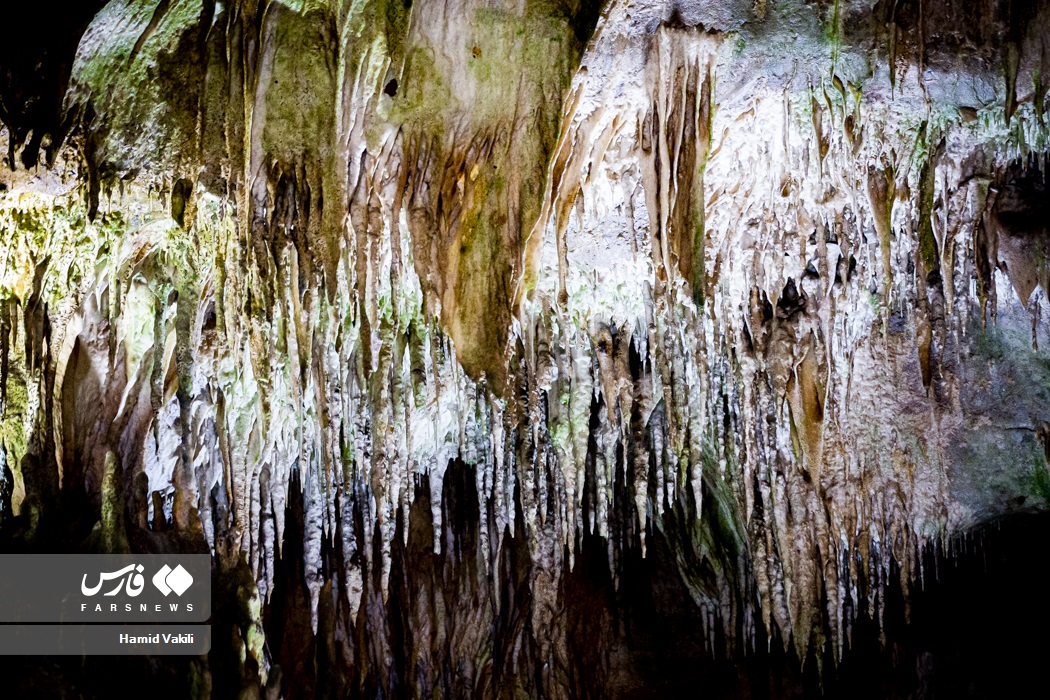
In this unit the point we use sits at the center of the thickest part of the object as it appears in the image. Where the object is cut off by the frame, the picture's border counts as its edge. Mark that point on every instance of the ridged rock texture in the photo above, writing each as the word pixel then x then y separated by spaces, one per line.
pixel 441 322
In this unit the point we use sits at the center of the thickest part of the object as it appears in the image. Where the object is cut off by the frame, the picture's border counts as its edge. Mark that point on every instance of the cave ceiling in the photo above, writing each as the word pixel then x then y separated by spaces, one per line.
pixel 764 280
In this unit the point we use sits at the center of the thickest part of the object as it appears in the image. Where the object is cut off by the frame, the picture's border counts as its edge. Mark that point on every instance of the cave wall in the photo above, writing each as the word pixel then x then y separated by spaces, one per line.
pixel 407 312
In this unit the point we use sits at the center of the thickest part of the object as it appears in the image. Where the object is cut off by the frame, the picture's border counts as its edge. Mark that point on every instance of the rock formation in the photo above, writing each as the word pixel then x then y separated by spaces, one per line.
pixel 424 316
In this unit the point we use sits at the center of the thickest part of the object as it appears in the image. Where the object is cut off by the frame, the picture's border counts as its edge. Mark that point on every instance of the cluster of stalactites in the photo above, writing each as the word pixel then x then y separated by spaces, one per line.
pixel 798 293
pixel 730 299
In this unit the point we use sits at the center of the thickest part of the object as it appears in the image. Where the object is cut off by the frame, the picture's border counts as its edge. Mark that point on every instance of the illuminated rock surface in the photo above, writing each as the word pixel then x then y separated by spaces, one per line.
pixel 455 329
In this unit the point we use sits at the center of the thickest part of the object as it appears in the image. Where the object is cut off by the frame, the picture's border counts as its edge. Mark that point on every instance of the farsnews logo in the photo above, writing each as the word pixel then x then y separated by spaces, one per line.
pixel 169 580
pixel 130 580
pixel 130 575
pixel 128 587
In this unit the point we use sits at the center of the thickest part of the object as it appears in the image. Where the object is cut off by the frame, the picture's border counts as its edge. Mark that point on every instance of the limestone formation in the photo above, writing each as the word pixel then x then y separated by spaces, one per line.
pixel 408 312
